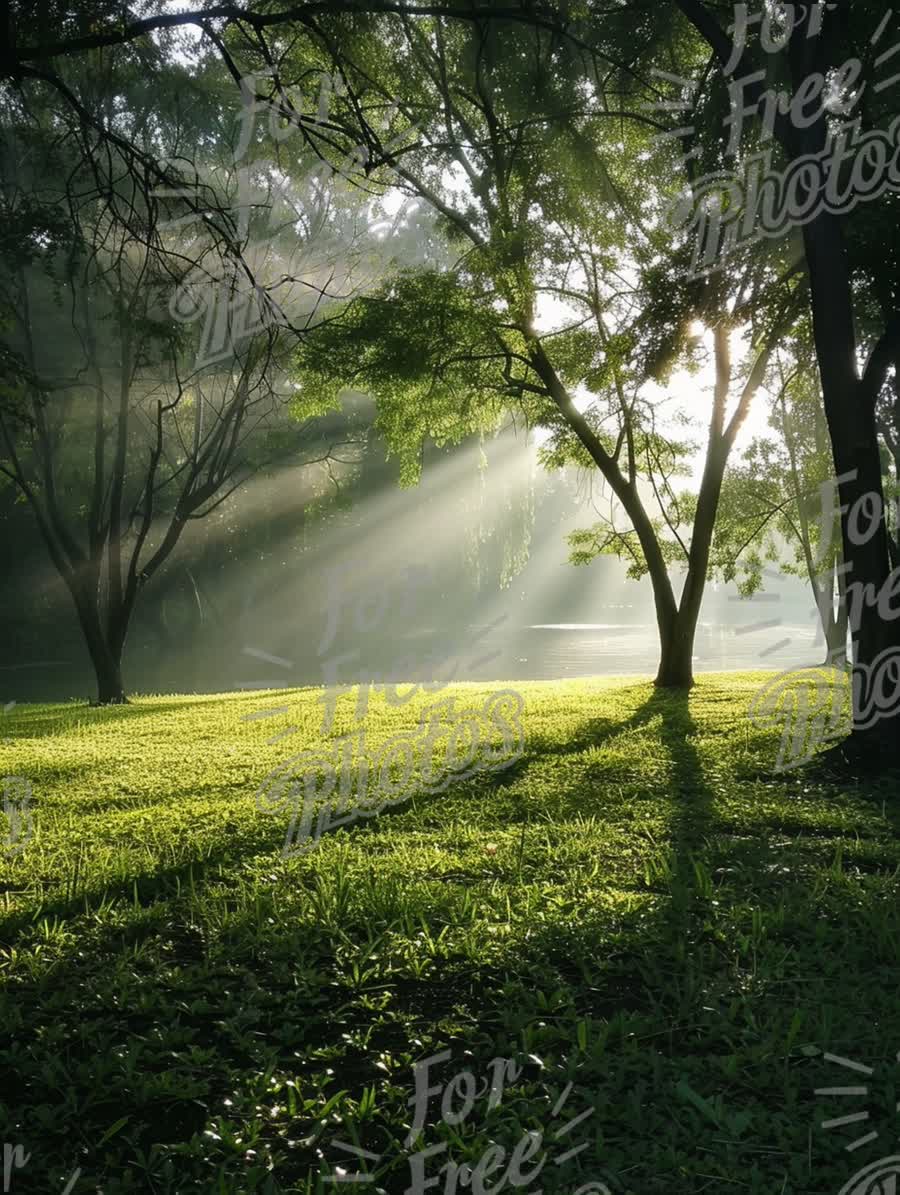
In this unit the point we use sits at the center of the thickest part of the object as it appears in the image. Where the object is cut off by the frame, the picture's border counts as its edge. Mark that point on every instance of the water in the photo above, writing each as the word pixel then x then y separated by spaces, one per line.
pixel 498 651
pixel 551 652
pixel 556 651
pixel 560 651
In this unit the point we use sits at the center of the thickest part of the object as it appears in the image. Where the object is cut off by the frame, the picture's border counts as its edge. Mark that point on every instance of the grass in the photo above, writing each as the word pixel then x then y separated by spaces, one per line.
pixel 638 907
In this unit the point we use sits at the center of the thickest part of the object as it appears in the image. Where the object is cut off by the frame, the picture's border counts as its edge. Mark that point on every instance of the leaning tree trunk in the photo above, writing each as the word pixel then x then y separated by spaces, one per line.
pixel 672 673
pixel 677 635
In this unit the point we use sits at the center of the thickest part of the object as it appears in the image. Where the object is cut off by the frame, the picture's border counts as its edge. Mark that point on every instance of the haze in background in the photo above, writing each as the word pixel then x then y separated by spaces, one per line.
pixel 465 575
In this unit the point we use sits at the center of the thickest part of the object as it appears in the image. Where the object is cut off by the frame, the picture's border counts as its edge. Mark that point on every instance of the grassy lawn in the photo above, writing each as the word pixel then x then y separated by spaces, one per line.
pixel 638 907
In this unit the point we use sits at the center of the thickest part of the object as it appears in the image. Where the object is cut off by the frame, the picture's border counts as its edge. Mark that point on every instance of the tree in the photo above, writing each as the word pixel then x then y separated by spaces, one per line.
pixel 609 54
pixel 533 193
pixel 683 523
pixel 888 413
pixel 110 430
pixel 819 40
pixel 773 501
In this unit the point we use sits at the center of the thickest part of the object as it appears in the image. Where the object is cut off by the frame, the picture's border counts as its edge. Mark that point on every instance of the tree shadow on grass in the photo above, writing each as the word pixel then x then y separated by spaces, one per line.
pixel 286 995
pixel 689 965
pixel 289 1007
pixel 200 1038
pixel 45 722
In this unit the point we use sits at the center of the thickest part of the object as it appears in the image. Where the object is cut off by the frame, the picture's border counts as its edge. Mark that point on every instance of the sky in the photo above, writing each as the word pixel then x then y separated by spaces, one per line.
pixel 684 391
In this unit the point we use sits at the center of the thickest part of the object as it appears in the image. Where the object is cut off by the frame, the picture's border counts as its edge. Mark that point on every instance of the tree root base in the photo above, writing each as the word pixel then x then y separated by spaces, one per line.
pixel 861 755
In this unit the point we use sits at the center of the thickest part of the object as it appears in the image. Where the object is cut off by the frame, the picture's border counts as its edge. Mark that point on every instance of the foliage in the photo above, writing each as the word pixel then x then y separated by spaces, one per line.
pixel 425 349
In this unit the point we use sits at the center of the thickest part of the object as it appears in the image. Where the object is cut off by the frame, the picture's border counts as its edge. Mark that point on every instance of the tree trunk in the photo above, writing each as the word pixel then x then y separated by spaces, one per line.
pixel 849 404
pixel 104 646
pixel 850 413
pixel 831 602
pixel 110 690
pixel 836 640
pixel 676 665
pixel 676 660
pixel 894 550
pixel 868 564
pixel 838 622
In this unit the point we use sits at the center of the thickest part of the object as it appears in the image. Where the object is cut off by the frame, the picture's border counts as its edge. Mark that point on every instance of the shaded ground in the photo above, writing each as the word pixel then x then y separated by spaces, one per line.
pixel 637 907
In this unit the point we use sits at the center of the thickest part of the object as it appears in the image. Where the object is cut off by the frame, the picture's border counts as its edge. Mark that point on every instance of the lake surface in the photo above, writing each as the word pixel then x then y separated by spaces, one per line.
pixel 555 651
pixel 495 651
pixel 544 651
